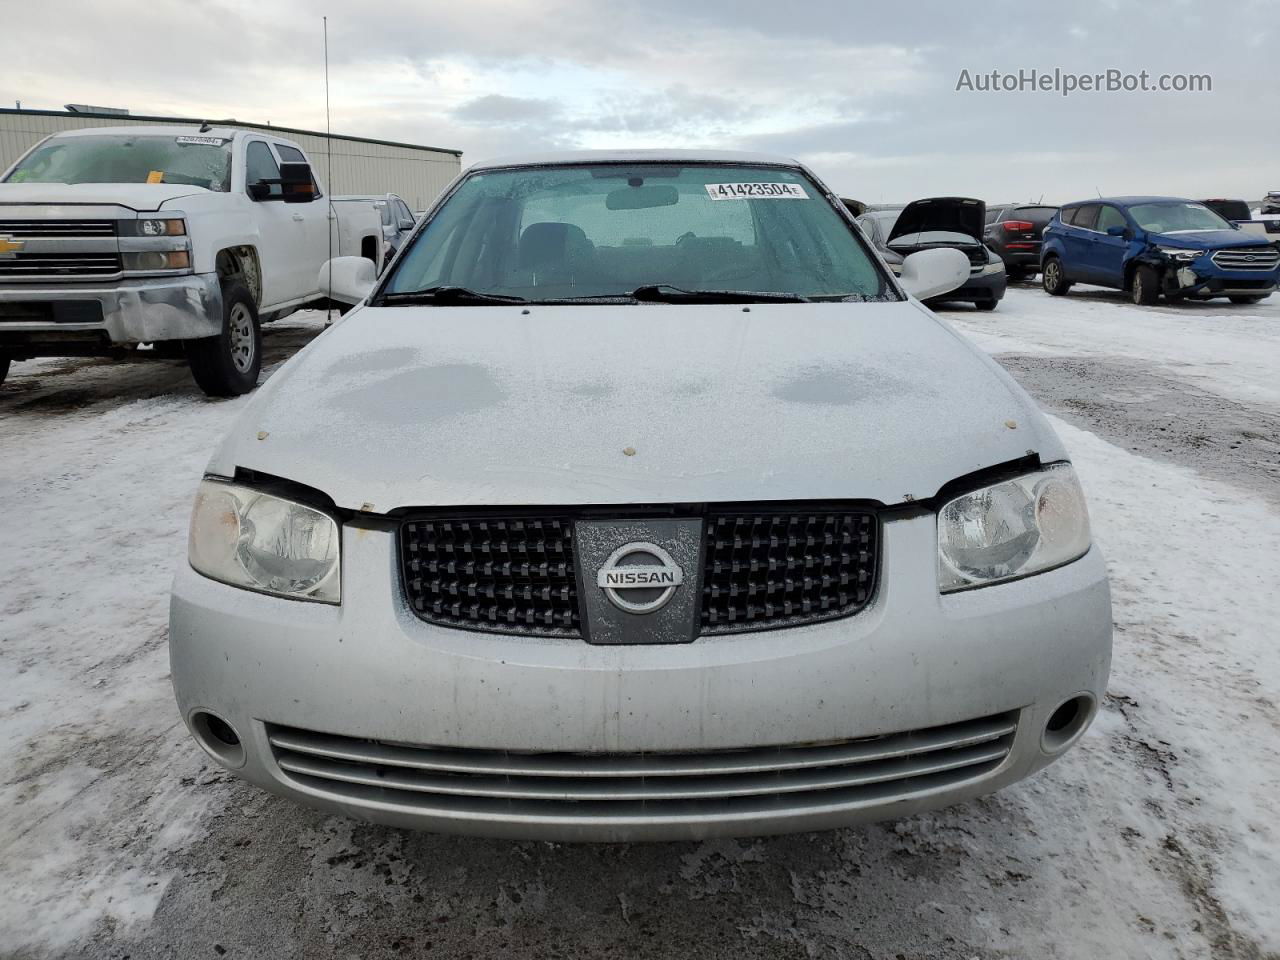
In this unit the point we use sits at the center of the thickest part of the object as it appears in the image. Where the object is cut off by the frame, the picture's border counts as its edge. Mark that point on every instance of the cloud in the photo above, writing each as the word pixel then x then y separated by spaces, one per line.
pixel 865 94
pixel 496 108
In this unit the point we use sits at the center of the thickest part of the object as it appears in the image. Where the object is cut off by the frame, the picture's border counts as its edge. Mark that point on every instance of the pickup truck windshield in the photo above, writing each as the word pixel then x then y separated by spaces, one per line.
pixel 193 160
pixel 1177 217
pixel 607 230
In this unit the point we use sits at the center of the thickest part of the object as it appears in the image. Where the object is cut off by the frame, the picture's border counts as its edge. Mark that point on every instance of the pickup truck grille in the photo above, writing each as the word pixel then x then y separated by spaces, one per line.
pixel 58 228
pixel 782 565
pixel 1247 258
pixel 59 265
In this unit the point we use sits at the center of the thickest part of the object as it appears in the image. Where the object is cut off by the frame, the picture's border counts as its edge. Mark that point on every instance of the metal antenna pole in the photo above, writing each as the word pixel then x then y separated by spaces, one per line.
pixel 328 140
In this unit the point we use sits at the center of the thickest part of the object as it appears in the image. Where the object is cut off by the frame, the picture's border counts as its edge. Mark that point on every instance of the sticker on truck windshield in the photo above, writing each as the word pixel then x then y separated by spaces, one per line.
pixel 756 191
pixel 204 141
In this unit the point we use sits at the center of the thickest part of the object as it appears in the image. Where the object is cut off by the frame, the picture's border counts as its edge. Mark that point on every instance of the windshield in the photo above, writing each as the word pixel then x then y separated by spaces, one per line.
pixel 112 158
pixel 590 231
pixel 1178 217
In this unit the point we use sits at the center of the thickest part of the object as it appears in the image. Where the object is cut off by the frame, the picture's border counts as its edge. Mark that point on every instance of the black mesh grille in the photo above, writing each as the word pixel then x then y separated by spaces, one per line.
pixel 771 570
pixel 493 574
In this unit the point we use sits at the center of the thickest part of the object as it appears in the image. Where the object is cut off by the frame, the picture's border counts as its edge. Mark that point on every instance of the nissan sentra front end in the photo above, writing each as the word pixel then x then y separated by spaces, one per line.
pixel 512 554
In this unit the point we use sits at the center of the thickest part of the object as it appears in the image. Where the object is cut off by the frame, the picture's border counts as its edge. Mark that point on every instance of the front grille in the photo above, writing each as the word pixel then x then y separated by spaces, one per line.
pixel 58 228
pixel 778 565
pixel 493 574
pixel 1247 258
pixel 59 265
pixel 769 570
pixel 646 787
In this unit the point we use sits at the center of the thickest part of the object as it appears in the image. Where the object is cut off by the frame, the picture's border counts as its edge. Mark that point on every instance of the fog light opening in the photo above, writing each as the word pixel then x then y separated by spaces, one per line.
pixel 218 738
pixel 1067 722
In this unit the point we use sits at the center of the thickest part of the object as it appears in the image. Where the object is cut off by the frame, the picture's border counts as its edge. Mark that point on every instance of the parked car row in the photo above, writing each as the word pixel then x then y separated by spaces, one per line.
pixel 1147 246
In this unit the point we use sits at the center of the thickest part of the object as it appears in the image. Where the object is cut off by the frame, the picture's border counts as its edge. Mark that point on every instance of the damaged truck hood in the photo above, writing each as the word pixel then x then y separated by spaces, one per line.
pixel 449 406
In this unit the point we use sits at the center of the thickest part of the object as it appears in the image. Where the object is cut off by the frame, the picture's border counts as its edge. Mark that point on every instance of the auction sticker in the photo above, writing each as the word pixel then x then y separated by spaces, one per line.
pixel 756 191
pixel 205 141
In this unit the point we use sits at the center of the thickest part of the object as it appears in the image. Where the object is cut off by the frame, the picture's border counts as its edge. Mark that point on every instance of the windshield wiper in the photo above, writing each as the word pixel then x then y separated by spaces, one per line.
pixel 443 296
pixel 666 293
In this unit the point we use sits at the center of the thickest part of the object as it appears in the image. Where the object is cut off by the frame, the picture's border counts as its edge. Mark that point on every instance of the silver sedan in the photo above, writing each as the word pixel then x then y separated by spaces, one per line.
pixel 638 500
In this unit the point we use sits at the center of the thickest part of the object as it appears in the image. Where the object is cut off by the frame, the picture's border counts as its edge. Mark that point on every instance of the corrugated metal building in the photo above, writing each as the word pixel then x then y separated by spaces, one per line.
pixel 360 165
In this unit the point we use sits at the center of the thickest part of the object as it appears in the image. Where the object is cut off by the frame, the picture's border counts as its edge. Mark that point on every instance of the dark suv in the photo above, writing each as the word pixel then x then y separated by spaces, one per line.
pixel 1014 232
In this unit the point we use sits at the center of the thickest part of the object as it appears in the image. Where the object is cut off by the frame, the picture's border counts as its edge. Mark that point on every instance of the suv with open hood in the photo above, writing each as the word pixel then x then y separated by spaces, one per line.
pixel 949 223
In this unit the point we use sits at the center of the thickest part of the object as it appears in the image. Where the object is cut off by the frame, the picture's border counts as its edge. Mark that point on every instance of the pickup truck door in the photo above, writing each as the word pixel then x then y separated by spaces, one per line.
pixel 311 246
pixel 1106 253
pixel 279 232
pixel 1077 237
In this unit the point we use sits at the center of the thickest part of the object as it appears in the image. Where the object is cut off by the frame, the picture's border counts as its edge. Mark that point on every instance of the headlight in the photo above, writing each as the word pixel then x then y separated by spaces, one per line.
pixel 1178 253
pixel 166 227
pixel 1012 529
pixel 265 543
pixel 993 268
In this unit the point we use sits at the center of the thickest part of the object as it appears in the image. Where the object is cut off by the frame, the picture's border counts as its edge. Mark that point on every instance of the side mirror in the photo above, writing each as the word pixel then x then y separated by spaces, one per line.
pixel 296 183
pixel 931 273
pixel 405 224
pixel 348 279
pixel 260 190
pixel 1117 231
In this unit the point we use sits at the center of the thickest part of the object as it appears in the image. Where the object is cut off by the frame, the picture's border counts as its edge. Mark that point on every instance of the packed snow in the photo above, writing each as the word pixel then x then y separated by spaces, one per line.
pixel 1156 837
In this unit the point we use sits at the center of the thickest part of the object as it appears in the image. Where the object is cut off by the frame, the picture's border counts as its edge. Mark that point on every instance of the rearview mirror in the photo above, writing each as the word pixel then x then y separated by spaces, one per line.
pixel 296 183
pixel 641 198
pixel 931 273
pixel 348 279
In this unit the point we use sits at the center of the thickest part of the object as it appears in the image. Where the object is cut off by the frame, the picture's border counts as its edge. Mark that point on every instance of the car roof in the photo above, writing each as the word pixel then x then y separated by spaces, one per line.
pixel 568 157
pixel 1129 201
pixel 159 130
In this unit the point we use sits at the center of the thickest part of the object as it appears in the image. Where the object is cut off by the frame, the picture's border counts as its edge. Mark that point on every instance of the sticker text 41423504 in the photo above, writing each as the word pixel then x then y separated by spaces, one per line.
pixel 756 191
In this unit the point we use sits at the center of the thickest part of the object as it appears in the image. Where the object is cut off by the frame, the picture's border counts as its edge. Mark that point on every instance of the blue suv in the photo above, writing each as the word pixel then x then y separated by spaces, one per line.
pixel 1154 245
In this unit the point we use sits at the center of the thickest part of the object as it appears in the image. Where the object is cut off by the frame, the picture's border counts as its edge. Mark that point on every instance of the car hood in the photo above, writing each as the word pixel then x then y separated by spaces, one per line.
pixel 1205 240
pixel 945 214
pixel 450 406
pixel 135 196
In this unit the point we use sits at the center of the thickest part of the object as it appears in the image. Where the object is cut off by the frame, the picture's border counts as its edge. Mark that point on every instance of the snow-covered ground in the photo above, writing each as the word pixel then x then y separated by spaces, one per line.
pixel 1157 837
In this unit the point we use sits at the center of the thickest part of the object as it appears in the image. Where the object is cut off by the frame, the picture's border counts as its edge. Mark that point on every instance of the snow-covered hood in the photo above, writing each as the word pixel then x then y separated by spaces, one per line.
pixel 943 215
pixel 135 196
pixel 444 406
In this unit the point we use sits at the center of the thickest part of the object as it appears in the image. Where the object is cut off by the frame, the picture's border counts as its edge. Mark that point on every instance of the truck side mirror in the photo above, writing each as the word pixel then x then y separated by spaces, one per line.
pixel 296 183
pixel 260 190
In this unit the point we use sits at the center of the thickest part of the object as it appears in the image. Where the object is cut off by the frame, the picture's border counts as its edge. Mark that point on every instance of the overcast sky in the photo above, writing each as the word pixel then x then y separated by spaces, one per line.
pixel 865 93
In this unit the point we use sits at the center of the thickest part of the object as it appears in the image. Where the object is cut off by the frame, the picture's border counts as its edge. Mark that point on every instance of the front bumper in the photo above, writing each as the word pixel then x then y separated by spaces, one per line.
pixel 978 288
pixel 369 670
pixel 132 311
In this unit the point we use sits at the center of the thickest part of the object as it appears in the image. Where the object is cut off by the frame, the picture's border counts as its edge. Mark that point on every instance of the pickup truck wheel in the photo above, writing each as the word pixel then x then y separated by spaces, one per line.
pixel 1053 279
pixel 228 365
pixel 1244 299
pixel 1145 287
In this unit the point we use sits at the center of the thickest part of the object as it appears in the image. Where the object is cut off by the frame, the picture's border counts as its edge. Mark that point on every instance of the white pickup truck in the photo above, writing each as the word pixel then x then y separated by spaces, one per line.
pixel 182 237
